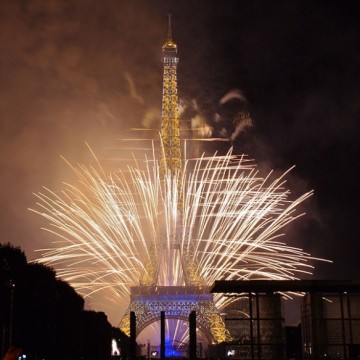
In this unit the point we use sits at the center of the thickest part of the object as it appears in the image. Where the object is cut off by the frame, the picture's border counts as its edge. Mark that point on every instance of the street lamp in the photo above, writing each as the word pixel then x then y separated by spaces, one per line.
pixel 12 290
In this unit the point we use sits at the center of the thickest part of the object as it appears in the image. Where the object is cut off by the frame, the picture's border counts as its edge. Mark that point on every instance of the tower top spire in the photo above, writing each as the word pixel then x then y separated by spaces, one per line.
pixel 170 46
pixel 170 128
pixel 169 29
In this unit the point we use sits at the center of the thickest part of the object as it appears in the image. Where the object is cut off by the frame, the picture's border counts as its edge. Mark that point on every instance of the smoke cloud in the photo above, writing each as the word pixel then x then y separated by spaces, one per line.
pixel 85 71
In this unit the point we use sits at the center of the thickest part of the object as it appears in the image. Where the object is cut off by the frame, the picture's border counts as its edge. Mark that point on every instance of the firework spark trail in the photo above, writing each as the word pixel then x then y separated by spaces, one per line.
pixel 239 218
pixel 109 225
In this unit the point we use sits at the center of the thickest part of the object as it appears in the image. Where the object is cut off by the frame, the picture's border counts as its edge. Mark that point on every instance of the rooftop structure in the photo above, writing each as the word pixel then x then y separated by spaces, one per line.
pixel 266 286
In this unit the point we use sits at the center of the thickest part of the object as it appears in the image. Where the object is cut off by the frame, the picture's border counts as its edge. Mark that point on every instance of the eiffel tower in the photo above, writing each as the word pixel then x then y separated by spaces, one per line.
pixel 174 285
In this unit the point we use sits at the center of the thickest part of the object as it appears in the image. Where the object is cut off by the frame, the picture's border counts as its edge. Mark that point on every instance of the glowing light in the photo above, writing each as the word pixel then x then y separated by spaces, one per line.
pixel 111 227
pixel 115 351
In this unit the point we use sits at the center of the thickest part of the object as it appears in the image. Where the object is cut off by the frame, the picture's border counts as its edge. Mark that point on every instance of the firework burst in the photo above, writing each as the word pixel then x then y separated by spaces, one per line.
pixel 111 228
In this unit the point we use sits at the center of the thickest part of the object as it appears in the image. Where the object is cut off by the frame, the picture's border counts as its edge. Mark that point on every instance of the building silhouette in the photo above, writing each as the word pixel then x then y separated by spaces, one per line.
pixel 330 320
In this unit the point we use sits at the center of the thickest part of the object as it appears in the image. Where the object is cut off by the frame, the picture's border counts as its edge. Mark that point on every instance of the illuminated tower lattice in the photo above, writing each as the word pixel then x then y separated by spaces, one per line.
pixel 170 126
pixel 172 282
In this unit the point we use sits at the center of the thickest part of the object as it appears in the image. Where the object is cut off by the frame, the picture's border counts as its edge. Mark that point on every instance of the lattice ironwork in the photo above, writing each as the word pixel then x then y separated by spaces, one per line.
pixel 152 297
pixel 170 123
pixel 177 301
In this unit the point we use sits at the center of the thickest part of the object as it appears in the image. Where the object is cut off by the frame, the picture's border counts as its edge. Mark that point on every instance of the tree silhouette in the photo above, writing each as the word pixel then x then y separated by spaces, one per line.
pixel 45 316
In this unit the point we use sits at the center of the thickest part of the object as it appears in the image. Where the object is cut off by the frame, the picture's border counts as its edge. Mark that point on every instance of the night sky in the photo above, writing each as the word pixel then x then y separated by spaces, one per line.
pixel 77 71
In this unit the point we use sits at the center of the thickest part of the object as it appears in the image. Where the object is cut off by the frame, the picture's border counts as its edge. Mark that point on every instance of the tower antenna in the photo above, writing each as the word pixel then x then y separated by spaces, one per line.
pixel 169 28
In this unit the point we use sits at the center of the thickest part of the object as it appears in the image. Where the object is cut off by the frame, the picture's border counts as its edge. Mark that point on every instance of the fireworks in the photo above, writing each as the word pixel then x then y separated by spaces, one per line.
pixel 113 229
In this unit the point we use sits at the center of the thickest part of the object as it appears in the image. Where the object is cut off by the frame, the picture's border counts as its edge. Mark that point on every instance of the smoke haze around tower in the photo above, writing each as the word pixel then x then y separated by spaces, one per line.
pixel 74 72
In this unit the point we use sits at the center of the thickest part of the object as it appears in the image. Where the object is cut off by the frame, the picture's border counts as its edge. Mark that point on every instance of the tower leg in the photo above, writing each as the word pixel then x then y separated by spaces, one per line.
pixel 162 335
pixel 192 335
pixel 132 335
